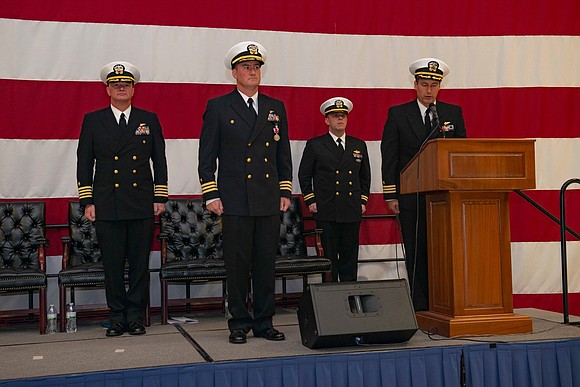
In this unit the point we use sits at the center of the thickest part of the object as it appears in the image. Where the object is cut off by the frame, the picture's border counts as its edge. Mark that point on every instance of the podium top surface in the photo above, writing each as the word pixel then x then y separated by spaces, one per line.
pixel 471 164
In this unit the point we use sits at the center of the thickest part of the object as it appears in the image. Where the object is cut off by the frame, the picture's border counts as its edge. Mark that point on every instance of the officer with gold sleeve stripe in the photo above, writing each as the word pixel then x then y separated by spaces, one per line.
pixel 247 132
pixel 119 192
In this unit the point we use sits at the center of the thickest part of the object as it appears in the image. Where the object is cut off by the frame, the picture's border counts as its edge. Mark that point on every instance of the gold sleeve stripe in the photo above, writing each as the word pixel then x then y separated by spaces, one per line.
pixel 364 197
pixel 209 184
pixel 208 190
pixel 161 190
pixel 85 192
pixel 309 196
pixel 389 189
pixel 286 184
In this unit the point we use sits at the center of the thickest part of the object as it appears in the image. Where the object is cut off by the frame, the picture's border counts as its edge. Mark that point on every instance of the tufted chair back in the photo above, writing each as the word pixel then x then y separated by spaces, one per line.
pixel 22 232
pixel 23 256
pixel 84 247
pixel 292 241
pixel 191 231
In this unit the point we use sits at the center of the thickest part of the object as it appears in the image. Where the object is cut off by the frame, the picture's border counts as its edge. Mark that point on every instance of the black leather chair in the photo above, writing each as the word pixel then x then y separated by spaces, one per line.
pixel 82 266
pixel 293 259
pixel 22 249
pixel 191 252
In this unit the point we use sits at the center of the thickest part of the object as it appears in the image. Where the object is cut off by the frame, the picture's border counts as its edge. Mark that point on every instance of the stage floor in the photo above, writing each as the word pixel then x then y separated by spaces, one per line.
pixel 26 354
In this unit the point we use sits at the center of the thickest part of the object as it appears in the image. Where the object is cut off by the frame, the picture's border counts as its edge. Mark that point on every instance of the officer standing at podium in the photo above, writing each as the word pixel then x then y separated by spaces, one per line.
pixel 407 128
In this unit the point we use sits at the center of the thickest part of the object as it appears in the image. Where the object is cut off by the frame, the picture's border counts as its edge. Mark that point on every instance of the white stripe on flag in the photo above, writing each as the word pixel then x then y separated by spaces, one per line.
pixel 195 55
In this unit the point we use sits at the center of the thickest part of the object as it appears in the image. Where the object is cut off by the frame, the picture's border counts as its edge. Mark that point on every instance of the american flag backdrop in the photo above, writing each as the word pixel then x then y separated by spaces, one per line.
pixel 515 70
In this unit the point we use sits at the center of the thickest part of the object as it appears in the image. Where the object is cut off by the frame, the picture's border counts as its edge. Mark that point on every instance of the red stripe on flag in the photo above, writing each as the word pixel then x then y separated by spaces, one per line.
pixel 57 108
pixel 372 17
pixel 528 224
pixel 552 302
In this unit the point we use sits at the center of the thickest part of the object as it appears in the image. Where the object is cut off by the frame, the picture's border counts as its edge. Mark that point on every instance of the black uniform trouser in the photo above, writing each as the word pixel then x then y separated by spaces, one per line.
pixel 340 242
pixel 250 244
pixel 416 262
pixel 120 241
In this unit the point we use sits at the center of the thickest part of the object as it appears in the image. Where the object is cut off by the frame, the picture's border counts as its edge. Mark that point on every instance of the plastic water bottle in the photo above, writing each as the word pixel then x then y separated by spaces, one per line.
pixel 51 319
pixel 71 318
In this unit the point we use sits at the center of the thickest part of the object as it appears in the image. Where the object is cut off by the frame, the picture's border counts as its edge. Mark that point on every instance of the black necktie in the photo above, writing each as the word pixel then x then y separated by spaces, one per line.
pixel 123 123
pixel 427 122
pixel 252 111
pixel 340 147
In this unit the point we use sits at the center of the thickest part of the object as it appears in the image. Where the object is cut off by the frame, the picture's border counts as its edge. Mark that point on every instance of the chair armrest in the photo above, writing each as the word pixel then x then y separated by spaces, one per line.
pixel 317 232
pixel 65 251
pixel 42 258
pixel 40 244
pixel 162 239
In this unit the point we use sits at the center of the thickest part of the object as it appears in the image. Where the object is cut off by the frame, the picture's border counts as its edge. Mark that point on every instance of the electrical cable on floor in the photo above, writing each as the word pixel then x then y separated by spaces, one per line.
pixel 197 347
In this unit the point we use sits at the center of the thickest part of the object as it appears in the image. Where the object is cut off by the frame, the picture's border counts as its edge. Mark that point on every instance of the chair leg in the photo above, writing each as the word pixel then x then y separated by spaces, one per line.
pixel 148 307
pixel 284 292
pixel 62 305
pixel 31 305
pixel 164 303
pixel 224 297
pixel 148 316
pixel 188 296
pixel 42 310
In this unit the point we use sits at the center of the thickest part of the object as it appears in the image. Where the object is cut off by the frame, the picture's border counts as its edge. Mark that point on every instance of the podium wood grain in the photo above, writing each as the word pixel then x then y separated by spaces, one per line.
pixel 467 182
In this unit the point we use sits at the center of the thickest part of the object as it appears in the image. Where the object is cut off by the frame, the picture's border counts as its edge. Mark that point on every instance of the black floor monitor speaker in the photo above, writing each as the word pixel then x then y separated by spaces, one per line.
pixel 352 313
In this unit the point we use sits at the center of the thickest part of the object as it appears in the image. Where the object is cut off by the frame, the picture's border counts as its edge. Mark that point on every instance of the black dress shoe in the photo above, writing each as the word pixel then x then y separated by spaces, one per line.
pixel 116 329
pixel 271 334
pixel 238 336
pixel 136 328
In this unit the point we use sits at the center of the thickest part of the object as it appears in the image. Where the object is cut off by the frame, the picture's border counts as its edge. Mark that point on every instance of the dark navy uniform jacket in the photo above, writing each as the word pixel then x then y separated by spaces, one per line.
pixel 338 184
pixel 402 137
pixel 114 168
pixel 255 170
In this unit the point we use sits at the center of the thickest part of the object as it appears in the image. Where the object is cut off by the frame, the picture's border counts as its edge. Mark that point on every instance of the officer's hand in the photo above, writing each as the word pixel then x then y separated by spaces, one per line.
pixel 158 208
pixel 90 212
pixel 284 204
pixel 216 207
pixel 363 208
pixel 393 205
pixel 312 208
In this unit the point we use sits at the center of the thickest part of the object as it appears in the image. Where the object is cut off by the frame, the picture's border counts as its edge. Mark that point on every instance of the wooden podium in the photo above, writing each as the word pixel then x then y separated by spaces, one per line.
pixel 467 182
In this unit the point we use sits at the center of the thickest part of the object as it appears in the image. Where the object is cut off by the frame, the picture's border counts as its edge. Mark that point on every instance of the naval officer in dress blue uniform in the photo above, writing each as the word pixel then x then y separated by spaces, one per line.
pixel 335 178
pixel 247 132
pixel 407 128
pixel 119 192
